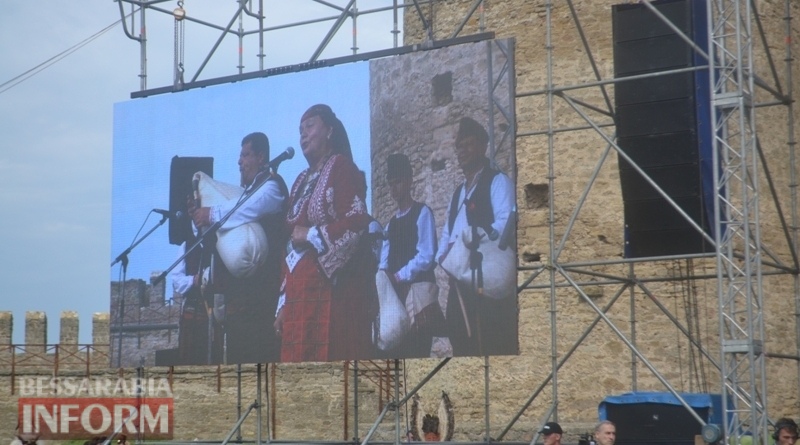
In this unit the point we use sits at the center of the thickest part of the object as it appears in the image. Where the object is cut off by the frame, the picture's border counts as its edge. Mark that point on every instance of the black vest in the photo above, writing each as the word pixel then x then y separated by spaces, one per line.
pixel 480 212
pixel 274 226
pixel 403 238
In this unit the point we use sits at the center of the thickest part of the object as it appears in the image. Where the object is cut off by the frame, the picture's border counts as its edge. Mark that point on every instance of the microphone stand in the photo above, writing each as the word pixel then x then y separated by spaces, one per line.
pixel 476 265
pixel 123 258
pixel 124 255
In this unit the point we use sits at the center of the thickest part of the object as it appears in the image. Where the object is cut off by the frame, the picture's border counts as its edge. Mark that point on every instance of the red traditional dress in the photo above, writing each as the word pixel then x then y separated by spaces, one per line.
pixel 325 313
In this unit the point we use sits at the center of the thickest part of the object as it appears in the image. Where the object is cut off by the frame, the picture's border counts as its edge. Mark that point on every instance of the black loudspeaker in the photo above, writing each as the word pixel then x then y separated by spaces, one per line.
pixel 655 423
pixel 663 125
pixel 181 171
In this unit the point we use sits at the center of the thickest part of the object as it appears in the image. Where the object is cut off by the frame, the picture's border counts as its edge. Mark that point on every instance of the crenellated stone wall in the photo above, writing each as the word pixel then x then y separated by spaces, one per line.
pixel 139 304
pixel 6 328
pixel 306 400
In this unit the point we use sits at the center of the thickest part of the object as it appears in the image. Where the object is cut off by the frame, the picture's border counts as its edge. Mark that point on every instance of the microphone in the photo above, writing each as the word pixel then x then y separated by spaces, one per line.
pixel 286 155
pixel 166 213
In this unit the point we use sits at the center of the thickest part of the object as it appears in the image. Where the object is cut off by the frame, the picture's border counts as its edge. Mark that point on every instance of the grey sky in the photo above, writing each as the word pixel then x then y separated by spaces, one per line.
pixel 56 130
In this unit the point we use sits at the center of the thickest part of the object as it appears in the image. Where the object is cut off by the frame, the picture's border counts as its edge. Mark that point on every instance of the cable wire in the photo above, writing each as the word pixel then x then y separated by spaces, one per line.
pixel 11 83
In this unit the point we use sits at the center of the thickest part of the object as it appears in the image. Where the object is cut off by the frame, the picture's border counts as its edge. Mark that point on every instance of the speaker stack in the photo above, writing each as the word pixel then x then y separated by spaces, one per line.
pixel 663 125
pixel 655 423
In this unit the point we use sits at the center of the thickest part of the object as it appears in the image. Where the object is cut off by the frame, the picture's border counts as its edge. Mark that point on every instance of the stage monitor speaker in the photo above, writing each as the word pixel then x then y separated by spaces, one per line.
pixel 180 187
pixel 655 423
pixel 663 125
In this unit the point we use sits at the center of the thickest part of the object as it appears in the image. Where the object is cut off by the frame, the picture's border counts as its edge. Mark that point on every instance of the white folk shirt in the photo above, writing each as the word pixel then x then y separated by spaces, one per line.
pixel 501 194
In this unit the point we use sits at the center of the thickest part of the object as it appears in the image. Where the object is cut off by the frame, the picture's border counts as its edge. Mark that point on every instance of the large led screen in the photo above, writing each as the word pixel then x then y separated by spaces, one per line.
pixel 391 234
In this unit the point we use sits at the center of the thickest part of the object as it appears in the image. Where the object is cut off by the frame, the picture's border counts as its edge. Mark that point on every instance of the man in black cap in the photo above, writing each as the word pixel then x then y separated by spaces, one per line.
pixel 408 257
pixel 551 432
pixel 478 325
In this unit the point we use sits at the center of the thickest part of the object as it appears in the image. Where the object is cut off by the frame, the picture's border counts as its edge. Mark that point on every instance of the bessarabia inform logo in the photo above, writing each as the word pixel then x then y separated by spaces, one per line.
pixel 75 408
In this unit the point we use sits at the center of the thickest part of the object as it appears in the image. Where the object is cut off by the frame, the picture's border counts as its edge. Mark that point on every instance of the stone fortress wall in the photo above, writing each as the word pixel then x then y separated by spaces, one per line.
pixel 305 400
pixel 603 364
pixel 148 318
pixel 310 401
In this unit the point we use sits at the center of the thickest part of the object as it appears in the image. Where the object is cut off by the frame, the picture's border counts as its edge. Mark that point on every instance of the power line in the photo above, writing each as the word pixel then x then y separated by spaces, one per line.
pixel 11 83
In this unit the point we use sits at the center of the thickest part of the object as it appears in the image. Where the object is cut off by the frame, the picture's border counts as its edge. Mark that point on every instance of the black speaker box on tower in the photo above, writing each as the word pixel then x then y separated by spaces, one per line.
pixel 180 187
pixel 663 124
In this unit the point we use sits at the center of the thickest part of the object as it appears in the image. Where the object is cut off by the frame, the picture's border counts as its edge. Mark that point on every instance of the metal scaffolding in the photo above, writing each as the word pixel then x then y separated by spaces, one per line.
pixel 736 219
pixel 740 259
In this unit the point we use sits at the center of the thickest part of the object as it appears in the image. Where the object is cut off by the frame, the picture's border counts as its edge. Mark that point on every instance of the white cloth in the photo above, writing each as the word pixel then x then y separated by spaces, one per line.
pixel 393 321
pixel 499 266
pixel 181 283
pixel 241 242
pixel 315 239
pixel 425 259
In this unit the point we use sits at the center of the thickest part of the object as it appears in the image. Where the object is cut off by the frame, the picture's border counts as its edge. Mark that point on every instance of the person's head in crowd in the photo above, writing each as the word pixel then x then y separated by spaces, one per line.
pixel 786 431
pixel 605 433
pixel 322 134
pixel 254 157
pixel 471 143
pixel 399 175
pixel 551 433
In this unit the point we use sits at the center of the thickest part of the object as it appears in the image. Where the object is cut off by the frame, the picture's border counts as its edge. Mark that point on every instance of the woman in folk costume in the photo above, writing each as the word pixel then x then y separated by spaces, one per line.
pixel 323 314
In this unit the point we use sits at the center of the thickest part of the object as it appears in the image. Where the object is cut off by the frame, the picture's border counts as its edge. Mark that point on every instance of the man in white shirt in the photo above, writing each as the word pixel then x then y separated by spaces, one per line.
pixel 250 302
pixel 482 204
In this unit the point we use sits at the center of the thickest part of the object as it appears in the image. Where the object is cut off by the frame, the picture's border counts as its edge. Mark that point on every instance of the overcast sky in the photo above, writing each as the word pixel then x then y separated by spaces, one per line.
pixel 56 128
